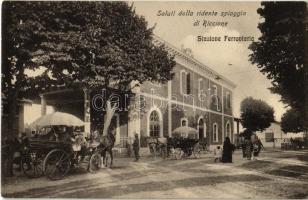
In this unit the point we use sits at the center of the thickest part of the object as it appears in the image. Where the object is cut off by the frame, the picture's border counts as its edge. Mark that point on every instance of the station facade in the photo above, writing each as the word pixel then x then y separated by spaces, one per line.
pixel 197 97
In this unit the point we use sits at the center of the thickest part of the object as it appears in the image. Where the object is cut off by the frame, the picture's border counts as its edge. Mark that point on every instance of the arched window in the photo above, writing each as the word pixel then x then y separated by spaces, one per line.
pixel 228 129
pixel 154 124
pixel 215 132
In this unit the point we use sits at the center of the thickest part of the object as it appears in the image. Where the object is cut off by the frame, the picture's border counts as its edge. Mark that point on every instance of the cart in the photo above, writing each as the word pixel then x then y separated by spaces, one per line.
pixel 54 159
pixel 184 143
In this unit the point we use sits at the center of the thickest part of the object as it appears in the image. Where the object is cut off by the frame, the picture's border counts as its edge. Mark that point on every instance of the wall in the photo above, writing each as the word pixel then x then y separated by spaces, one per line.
pixel 279 136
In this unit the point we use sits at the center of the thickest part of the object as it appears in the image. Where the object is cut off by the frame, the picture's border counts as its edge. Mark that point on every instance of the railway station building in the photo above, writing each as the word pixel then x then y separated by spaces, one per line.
pixel 197 97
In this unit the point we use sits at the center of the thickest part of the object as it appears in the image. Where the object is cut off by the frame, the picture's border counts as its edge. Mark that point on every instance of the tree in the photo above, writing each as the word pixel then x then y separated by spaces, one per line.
pixel 280 51
pixel 256 115
pixel 291 121
pixel 19 40
pixel 81 44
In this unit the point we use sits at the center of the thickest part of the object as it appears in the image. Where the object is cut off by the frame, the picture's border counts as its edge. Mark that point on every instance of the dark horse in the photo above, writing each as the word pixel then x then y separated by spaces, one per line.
pixel 106 145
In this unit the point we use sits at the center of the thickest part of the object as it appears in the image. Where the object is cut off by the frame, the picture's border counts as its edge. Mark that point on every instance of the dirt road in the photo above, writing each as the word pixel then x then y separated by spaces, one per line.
pixel 273 175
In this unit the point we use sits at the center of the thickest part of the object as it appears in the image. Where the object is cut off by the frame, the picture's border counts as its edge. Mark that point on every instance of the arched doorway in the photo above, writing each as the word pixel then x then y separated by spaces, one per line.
pixel 201 128
pixel 154 124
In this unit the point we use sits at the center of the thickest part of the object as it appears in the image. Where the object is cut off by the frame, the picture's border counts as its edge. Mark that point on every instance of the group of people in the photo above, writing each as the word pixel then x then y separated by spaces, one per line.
pixel 13 147
pixel 251 147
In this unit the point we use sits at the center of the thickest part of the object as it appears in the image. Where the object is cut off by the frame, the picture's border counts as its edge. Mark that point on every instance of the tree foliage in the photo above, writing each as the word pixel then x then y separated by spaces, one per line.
pixel 280 51
pixel 80 44
pixel 291 121
pixel 256 115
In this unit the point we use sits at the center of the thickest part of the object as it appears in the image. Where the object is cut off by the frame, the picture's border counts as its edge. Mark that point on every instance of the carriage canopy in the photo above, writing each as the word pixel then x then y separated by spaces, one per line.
pixel 57 119
pixel 185 132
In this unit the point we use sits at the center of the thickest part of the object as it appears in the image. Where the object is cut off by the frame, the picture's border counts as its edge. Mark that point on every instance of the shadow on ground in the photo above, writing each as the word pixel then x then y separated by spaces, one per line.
pixel 86 189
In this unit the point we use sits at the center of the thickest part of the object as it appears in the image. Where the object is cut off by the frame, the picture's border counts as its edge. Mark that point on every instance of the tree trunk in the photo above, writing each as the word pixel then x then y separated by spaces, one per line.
pixel 12 104
pixel 109 115
pixel 306 75
pixel 8 153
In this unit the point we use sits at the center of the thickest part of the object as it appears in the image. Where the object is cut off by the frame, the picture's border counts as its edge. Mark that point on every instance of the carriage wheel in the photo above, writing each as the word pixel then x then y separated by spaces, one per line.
pixel 107 160
pixel 32 165
pixel 57 164
pixel 95 162
pixel 178 153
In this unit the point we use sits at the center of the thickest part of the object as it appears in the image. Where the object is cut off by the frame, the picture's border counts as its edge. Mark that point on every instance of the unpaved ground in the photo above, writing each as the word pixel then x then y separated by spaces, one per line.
pixel 273 175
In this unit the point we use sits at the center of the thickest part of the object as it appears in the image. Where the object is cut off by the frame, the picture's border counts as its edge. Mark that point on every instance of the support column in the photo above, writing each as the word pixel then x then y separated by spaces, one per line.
pixel 87 112
pixel 43 105
pixel 306 78
pixel 222 116
pixel 169 109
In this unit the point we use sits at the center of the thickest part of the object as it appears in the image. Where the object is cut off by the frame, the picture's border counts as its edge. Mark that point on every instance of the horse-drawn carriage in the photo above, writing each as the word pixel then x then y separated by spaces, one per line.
pixel 183 143
pixel 43 155
pixel 54 158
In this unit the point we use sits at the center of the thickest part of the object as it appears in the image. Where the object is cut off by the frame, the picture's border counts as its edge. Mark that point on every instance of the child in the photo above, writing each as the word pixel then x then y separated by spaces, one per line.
pixel 217 154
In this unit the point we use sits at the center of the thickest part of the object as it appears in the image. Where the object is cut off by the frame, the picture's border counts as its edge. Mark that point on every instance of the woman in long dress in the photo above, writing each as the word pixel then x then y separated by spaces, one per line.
pixel 227 151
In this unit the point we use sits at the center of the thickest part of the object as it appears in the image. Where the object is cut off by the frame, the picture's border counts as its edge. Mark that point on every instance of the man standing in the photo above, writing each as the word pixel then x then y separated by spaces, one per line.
pixel 136 147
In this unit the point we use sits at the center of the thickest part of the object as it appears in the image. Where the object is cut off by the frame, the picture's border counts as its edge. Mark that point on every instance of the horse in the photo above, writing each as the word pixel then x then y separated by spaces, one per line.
pixel 157 145
pixel 106 143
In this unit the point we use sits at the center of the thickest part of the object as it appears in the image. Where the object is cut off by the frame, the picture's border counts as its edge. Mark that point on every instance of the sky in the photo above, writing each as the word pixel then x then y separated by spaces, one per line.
pixel 227 58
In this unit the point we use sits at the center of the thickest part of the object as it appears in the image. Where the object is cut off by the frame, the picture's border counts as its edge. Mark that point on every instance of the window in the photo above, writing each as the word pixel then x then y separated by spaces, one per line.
pixel 188 82
pixel 228 100
pixel 228 130
pixel 215 132
pixel 183 82
pixel 201 91
pixel 184 122
pixel 200 81
pixel 154 124
pixel 269 137
pixel 214 90
pixel 215 98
